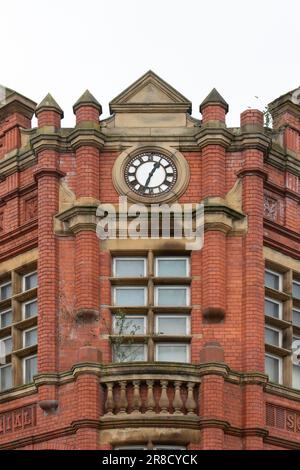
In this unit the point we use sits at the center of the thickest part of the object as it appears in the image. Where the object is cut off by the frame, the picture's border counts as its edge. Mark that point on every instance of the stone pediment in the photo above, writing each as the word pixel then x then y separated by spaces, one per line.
pixel 150 94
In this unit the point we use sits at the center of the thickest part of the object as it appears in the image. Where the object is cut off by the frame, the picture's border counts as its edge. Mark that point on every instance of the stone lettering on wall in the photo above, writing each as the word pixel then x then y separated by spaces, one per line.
pixel 283 418
pixel 18 419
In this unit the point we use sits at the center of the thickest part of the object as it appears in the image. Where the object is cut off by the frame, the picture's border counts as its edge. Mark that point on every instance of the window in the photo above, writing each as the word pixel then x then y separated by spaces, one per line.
pixel 5 346
pixel 296 289
pixel 273 367
pixel 273 308
pixel 130 296
pixel 30 368
pixel 30 309
pixel 130 448
pixel 177 296
pixel 5 377
pixel 29 337
pixel 296 317
pixel 129 325
pixel 30 281
pixel 5 290
pixel 169 447
pixel 273 280
pixel 151 307
pixel 130 353
pixel 172 325
pixel 129 267
pixel 172 352
pixel 296 376
pixel 5 318
pixel 273 336
pixel 172 267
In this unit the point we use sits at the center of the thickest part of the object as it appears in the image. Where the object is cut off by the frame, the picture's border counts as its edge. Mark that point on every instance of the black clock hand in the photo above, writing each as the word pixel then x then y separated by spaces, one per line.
pixel 156 165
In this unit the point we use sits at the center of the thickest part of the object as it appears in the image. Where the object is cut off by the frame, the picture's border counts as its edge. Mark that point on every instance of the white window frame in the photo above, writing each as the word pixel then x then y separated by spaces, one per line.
pixel 294 365
pixel 295 282
pixel 276 274
pixel 24 280
pixel 24 334
pixel 278 302
pixel 131 316
pixel 280 368
pixel 297 310
pixel 187 325
pixel 163 287
pixel 1 313
pixel 23 308
pixel 3 367
pixel 24 368
pixel 188 351
pixel 279 337
pixel 168 447
pixel 114 290
pixel 173 258
pixel 145 347
pixel 6 283
pixel 5 338
pixel 137 447
pixel 129 258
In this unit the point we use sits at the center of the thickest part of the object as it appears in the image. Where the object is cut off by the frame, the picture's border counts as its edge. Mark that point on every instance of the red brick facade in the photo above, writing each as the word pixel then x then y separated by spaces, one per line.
pixel 52 180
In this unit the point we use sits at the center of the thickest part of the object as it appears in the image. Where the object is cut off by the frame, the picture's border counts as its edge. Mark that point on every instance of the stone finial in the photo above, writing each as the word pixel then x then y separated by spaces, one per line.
pixel 214 98
pixel 87 99
pixel 49 104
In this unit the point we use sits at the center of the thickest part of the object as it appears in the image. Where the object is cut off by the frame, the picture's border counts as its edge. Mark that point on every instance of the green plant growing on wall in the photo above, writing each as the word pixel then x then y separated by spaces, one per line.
pixel 124 330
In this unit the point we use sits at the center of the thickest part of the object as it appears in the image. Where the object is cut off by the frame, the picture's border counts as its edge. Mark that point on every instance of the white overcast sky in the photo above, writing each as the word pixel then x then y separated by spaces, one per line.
pixel 243 48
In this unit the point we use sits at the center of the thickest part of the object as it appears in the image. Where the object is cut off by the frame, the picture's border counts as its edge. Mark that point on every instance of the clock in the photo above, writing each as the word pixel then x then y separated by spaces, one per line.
pixel 150 174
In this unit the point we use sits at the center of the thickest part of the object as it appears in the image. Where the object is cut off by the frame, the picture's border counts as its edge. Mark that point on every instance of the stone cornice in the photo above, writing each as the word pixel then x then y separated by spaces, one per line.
pixel 54 172
pixel 45 138
pixel 214 136
pixel 79 217
pixel 251 140
pixel 89 135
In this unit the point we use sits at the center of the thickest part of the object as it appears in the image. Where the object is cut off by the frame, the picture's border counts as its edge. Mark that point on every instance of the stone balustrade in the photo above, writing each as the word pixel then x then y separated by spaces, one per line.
pixel 150 394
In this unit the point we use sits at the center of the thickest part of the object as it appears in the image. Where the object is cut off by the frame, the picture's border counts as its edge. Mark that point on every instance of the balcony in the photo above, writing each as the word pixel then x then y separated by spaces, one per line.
pixel 150 394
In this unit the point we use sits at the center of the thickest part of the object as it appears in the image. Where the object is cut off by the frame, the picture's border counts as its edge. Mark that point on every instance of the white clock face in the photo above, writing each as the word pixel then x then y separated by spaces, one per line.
pixel 150 174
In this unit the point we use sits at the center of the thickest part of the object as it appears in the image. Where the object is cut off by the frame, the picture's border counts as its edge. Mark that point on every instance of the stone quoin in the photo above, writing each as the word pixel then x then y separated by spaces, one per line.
pixel 125 343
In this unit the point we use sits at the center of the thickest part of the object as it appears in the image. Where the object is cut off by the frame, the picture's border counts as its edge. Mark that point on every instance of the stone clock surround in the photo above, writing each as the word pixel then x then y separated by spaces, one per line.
pixel 183 172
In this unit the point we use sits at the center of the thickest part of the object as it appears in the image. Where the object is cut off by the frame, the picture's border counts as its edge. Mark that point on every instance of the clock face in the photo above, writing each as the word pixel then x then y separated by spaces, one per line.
pixel 150 174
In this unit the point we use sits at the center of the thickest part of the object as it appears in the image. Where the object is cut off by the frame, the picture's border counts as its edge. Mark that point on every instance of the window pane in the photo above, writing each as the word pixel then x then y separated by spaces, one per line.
pixel 5 377
pixel 272 337
pixel 272 368
pixel 272 308
pixel 172 325
pixel 296 376
pixel 171 296
pixel 5 318
pixel 30 309
pixel 30 365
pixel 296 290
pixel 296 317
pixel 129 353
pixel 30 281
pixel 6 346
pixel 127 325
pixel 131 296
pixel 30 338
pixel 172 352
pixel 5 291
pixel 171 267
pixel 129 267
pixel 272 280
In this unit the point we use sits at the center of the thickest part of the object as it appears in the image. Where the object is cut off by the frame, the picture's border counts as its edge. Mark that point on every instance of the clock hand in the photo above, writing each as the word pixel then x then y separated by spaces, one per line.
pixel 156 165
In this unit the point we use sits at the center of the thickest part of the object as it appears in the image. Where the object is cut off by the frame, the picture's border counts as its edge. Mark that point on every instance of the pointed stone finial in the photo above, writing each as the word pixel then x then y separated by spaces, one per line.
pixel 214 98
pixel 49 104
pixel 87 99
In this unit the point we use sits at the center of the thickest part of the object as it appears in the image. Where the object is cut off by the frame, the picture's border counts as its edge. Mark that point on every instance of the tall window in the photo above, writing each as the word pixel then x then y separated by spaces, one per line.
pixel 151 308
pixel 18 327
pixel 282 325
